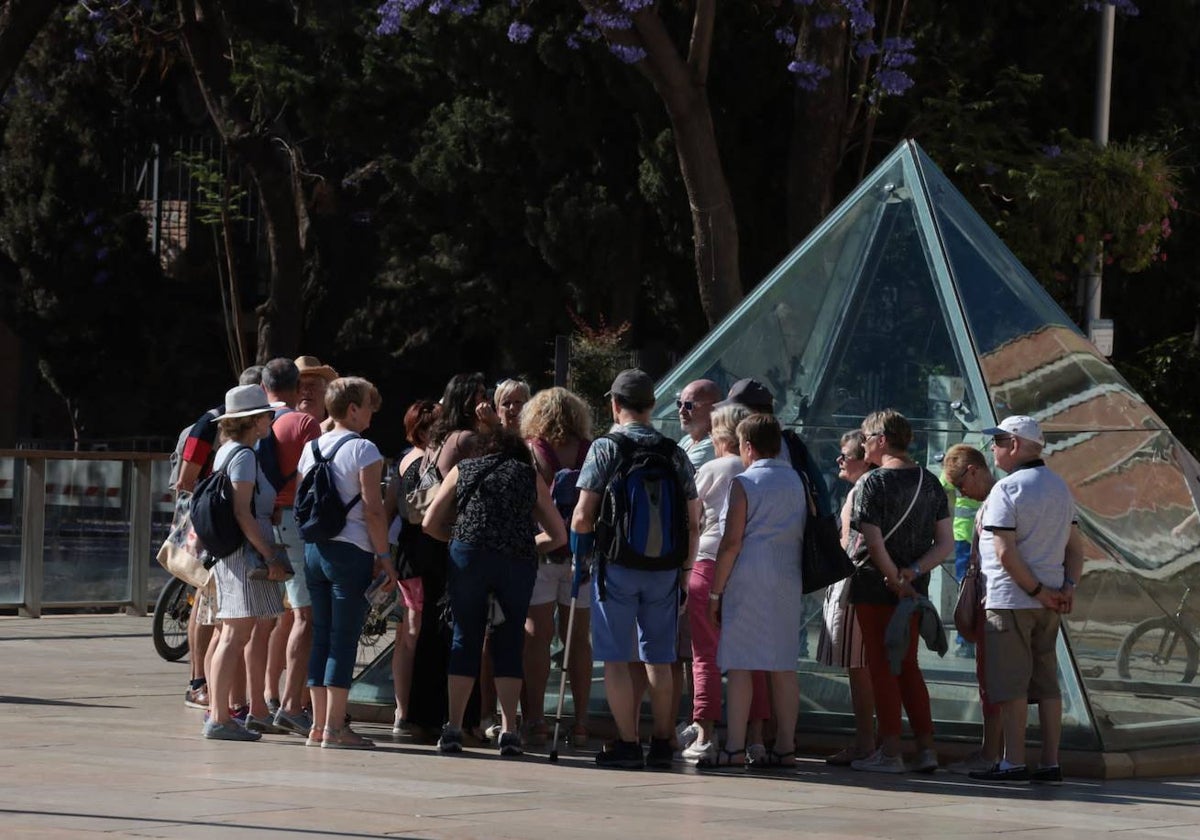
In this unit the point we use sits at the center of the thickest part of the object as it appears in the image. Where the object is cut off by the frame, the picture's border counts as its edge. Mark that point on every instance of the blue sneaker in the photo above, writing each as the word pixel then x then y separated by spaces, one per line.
pixel 217 731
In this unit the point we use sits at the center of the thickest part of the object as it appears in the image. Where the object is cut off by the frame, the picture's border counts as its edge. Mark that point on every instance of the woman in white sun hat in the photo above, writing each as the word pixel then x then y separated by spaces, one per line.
pixel 244 597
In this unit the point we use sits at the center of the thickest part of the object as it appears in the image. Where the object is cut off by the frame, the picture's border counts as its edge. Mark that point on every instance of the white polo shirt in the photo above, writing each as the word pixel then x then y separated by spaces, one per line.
pixel 1037 504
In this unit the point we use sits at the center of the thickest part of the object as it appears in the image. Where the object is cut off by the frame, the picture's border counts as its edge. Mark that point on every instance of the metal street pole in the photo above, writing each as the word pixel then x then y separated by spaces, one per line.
pixel 1091 283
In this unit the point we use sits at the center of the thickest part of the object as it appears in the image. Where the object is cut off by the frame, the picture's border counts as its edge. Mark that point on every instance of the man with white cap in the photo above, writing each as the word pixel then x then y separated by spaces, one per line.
pixel 1030 557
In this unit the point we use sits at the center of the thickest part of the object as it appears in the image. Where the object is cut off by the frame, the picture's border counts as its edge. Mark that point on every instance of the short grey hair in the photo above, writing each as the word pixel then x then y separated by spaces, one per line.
pixel 251 375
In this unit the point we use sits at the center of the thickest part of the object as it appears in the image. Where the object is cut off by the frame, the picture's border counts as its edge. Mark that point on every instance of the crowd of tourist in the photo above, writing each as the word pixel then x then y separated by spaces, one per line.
pixel 509 523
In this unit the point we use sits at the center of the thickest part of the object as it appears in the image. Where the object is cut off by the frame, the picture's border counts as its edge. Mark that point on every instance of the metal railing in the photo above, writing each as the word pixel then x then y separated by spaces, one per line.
pixel 79 529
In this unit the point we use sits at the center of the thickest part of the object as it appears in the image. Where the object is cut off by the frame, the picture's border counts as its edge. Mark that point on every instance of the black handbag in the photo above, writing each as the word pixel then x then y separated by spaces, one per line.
pixel 823 561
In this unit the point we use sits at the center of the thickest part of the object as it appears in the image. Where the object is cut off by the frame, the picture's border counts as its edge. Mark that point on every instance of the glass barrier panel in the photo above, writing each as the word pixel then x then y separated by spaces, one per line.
pixel 11 524
pixel 88 522
pixel 162 511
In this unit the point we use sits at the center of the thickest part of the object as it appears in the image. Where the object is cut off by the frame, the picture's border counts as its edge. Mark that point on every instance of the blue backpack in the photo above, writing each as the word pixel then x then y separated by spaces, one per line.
pixel 268 456
pixel 643 520
pixel 320 511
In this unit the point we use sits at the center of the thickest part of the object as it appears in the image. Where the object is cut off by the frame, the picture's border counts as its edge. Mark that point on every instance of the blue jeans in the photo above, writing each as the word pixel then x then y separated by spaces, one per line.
pixel 473 573
pixel 338 576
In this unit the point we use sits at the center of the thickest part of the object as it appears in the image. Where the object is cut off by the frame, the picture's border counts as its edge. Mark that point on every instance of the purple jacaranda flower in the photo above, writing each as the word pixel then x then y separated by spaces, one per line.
pixel 627 53
pixel 809 74
pixel 519 32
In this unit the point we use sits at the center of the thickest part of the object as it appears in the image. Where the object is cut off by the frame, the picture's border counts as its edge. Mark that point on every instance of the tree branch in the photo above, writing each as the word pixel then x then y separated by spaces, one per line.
pixel 20 22
pixel 700 49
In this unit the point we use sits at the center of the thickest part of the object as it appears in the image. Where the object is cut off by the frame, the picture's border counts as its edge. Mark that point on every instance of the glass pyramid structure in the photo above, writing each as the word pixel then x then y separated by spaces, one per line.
pixel 905 298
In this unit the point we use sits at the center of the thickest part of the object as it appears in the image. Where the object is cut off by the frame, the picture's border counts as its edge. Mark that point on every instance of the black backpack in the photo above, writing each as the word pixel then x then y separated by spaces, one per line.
pixel 268 456
pixel 643 520
pixel 320 511
pixel 212 511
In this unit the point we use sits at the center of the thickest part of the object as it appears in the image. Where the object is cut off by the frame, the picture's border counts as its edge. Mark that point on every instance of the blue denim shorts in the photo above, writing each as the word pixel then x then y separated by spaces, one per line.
pixel 635 602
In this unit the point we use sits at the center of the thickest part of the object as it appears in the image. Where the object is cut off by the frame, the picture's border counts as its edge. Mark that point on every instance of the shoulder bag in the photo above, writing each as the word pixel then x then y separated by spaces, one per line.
pixel 823 561
pixel 970 597
pixel 429 481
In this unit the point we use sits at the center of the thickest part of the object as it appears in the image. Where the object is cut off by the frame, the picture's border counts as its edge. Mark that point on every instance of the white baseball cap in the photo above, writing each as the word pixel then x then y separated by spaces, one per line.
pixel 1020 426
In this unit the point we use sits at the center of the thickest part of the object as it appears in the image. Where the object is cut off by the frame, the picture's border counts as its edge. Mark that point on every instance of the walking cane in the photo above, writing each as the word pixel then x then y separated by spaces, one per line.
pixel 576 580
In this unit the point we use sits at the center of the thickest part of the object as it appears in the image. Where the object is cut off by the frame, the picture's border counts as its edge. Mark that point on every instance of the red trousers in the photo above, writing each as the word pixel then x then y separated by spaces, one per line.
pixel 891 690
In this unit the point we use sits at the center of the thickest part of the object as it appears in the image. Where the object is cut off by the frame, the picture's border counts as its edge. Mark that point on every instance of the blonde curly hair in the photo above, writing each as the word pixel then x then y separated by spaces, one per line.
pixel 556 415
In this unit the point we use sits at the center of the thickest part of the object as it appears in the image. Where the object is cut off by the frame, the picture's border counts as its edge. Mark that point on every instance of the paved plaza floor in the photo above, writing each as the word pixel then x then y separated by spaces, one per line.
pixel 95 741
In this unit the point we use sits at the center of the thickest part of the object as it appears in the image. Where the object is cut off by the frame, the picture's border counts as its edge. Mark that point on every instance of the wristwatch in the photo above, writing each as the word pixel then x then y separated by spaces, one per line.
pixel 1033 593
pixel 1067 580
pixel 715 596
pixel 382 556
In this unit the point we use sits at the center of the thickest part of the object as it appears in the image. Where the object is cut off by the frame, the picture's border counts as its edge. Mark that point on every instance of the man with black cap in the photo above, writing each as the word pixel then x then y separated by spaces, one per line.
pixel 754 395
pixel 1030 554
pixel 635 592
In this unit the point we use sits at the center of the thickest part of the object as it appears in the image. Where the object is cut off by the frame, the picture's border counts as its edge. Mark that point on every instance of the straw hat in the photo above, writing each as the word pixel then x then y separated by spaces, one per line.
pixel 312 365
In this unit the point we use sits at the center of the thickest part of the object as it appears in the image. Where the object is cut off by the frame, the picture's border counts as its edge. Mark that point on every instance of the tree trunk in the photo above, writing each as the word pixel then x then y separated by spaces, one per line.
pixel 682 87
pixel 818 126
pixel 20 22
pixel 268 160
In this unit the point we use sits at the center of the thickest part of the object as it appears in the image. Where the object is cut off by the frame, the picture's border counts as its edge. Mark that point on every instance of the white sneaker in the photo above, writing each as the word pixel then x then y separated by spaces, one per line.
pixel 699 751
pixel 878 762
pixel 927 762
pixel 687 735
pixel 974 763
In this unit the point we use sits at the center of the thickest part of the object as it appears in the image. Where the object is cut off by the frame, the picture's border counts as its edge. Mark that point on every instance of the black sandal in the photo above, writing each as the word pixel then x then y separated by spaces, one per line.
pixel 724 759
pixel 773 759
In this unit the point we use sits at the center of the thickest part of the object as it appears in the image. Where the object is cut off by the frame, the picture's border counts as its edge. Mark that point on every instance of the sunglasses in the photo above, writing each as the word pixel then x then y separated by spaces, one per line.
pixel 843 458
pixel 690 405
pixel 1001 440
pixel 873 435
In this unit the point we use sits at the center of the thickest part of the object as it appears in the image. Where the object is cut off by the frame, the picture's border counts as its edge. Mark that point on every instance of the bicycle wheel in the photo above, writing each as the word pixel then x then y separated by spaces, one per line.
pixel 375 637
pixel 1159 650
pixel 171 613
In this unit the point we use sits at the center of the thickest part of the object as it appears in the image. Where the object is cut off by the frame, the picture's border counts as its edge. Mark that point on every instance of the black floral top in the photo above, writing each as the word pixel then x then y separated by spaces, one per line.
pixel 500 495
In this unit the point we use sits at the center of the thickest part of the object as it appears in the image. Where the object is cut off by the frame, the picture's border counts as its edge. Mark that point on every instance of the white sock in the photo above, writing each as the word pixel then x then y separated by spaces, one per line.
pixel 1005 764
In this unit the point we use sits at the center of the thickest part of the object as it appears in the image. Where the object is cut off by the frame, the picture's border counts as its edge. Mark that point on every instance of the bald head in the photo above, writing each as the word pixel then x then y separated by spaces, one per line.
pixel 696 405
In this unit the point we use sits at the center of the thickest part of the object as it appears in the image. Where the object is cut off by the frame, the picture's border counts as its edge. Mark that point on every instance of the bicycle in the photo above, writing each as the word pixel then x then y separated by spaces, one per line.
pixel 171 613
pixel 1152 648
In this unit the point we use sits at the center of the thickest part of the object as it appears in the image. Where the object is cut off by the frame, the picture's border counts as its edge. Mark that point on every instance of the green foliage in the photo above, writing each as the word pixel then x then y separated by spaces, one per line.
pixel 87 292
pixel 598 354
pixel 220 199
pixel 1119 197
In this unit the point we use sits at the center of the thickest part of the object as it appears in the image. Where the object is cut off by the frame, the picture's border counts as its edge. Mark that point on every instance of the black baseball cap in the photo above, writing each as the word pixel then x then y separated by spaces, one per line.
pixel 635 387
pixel 750 393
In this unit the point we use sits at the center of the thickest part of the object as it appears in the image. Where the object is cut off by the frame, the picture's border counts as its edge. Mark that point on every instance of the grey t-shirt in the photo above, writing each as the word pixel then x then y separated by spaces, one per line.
pixel 601 460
